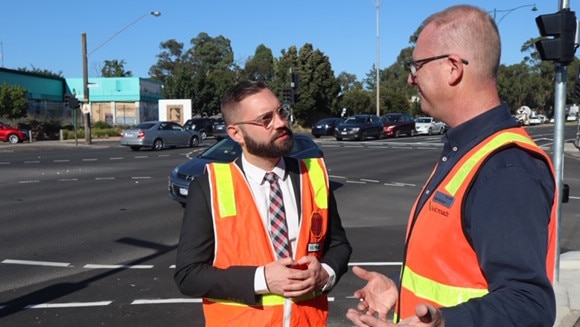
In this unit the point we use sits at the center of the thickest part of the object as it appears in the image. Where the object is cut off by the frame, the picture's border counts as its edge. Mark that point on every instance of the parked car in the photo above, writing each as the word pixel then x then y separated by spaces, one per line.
pixel 359 127
pixel 325 127
pixel 205 126
pixel 11 134
pixel 226 150
pixel 397 124
pixel 158 135
pixel 429 125
pixel 220 129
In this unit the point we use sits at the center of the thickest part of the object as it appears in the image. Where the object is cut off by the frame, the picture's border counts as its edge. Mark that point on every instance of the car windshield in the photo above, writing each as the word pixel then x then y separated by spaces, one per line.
pixel 225 150
pixel 423 120
pixel 354 119
pixel 391 118
pixel 145 126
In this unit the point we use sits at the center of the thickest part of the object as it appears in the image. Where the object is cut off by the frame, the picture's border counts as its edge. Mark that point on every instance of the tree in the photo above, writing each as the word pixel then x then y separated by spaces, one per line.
pixel 13 101
pixel 115 68
pixel 39 71
pixel 260 67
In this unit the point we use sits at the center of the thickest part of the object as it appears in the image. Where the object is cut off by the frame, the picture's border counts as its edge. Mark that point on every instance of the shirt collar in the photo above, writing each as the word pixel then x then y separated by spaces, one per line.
pixel 257 174
pixel 480 127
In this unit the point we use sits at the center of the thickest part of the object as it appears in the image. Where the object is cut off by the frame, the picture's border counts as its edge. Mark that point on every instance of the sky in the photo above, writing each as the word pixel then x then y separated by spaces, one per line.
pixel 46 35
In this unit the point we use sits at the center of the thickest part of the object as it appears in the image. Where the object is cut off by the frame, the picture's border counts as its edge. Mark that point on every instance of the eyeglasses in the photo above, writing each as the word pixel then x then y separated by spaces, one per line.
pixel 415 65
pixel 266 120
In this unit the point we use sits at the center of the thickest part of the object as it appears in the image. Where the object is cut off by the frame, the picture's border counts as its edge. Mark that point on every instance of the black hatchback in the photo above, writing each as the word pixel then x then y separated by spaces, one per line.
pixel 325 127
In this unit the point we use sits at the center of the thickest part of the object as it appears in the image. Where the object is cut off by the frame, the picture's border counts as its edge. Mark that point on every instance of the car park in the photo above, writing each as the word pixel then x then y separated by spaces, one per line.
pixel 429 126
pixel 397 124
pixel 11 134
pixel 325 127
pixel 359 127
pixel 205 126
pixel 226 150
pixel 158 135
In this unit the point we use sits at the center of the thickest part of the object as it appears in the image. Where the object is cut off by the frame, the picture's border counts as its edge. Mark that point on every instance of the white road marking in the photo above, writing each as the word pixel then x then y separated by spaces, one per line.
pixel 27 182
pixel 375 263
pixel 141 177
pixel 68 179
pixel 61 160
pixel 97 266
pixel 69 305
pixel 36 263
pixel 117 158
pixel 369 180
pixel 91 159
pixel 164 301
pixel 104 178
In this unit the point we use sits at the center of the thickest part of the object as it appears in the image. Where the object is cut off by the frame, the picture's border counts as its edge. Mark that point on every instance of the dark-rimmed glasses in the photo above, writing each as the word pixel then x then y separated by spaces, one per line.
pixel 266 120
pixel 415 65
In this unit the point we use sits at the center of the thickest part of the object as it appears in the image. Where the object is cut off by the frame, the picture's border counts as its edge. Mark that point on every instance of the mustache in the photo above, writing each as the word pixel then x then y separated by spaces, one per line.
pixel 283 131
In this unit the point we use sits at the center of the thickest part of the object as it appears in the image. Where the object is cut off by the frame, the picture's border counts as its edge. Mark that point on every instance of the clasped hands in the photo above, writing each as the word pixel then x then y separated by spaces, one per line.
pixel 378 297
pixel 294 278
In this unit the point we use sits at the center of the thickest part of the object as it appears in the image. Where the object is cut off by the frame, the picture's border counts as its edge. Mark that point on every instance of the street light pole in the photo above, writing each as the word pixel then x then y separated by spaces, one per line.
pixel 509 11
pixel 378 66
pixel 86 98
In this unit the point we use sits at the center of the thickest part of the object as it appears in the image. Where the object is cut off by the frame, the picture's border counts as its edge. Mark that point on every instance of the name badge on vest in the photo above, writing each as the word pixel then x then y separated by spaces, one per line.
pixel 444 199
pixel 315 231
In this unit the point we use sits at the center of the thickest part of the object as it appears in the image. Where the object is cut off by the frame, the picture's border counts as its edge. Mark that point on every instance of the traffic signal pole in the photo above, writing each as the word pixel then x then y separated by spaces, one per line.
pixel 558 44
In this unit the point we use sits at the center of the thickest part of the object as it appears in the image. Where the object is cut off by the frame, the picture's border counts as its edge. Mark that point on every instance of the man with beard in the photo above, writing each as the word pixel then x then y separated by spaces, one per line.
pixel 261 240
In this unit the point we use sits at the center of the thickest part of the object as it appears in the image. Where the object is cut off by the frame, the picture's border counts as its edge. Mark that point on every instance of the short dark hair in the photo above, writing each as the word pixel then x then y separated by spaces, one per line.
pixel 236 94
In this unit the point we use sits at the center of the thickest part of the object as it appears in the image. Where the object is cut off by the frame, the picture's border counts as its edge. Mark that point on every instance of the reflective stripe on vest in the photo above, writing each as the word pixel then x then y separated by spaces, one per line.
pixel 492 145
pixel 227 203
pixel 317 177
pixel 444 295
pixel 269 300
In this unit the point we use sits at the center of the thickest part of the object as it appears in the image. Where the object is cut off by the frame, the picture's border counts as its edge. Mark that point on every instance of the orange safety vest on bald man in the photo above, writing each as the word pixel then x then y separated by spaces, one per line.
pixel 241 239
pixel 441 267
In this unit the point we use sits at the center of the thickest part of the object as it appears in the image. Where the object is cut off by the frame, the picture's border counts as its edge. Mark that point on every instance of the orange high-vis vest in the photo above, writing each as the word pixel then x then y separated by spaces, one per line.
pixel 241 239
pixel 440 267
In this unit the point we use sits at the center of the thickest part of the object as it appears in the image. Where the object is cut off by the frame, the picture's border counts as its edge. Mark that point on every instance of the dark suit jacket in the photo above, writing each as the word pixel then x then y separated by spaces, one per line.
pixel 195 276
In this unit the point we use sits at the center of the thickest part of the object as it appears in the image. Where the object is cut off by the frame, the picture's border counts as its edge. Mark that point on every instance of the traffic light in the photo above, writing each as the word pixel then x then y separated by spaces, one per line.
pixel 287 95
pixel 558 33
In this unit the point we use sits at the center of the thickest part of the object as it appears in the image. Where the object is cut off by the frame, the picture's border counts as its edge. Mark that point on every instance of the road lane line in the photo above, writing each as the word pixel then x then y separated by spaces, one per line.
pixel 97 266
pixel 116 158
pixel 165 301
pixel 28 182
pixel 91 159
pixel 68 305
pixel 61 160
pixel 141 177
pixel 104 178
pixel 369 180
pixel 375 263
pixel 36 263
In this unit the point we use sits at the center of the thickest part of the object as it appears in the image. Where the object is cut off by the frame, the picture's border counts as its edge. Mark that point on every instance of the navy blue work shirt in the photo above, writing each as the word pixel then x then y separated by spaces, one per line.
pixel 505 218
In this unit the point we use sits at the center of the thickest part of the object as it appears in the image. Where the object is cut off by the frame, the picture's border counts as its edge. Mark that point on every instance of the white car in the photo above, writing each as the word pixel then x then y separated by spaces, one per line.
pixel 428 126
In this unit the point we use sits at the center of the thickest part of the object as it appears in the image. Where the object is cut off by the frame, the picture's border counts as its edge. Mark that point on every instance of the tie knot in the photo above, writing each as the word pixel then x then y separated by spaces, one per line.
pixel 271 177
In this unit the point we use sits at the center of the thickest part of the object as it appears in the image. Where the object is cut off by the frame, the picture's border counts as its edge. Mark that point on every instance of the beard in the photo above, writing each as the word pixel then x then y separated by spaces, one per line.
pixel 271 149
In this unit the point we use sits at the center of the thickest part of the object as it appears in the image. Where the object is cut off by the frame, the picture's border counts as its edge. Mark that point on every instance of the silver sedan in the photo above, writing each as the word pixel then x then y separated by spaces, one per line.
pixel 158 135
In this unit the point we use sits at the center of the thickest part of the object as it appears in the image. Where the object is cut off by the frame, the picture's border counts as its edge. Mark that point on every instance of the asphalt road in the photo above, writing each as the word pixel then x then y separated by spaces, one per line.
pixel 88 233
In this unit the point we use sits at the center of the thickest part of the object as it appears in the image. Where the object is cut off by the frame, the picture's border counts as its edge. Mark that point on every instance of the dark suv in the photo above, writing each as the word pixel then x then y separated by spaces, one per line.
pixel 203 125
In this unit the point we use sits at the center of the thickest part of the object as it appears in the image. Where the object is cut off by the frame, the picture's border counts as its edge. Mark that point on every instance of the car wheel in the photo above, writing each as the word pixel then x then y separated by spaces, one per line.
pixel 203 135
pixel 193 142
pixel 413 133
pixel 380 135
pixel 157 144
pixel 397 133
pixel 13 139
pixel 135 148
pixel 429 132
pixel 442 130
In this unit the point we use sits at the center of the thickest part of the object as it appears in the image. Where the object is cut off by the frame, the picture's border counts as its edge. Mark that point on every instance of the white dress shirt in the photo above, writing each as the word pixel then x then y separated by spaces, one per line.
pixel 261 193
